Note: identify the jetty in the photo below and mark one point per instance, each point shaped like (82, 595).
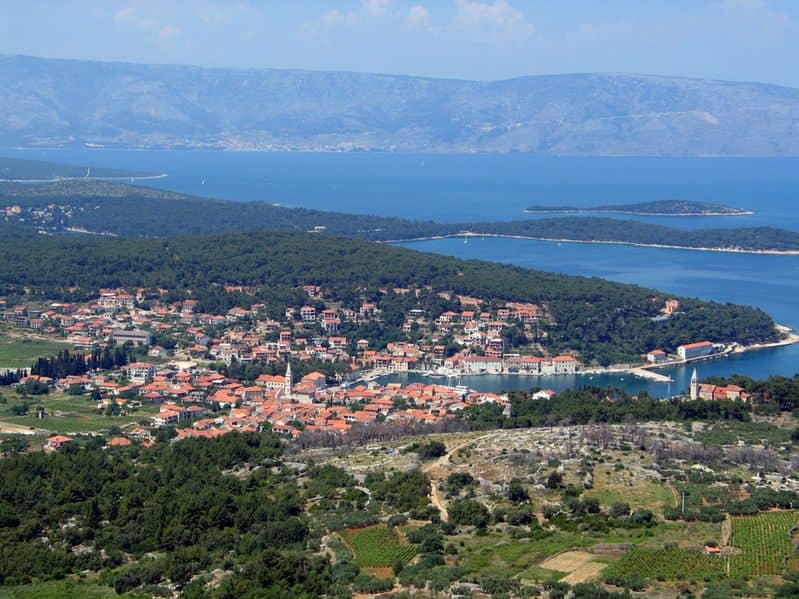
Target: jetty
(650, 375)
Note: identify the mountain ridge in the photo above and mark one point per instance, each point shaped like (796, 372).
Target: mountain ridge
(171, 106)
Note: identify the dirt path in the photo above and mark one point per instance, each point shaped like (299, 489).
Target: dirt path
(433, 470)
(726, 531)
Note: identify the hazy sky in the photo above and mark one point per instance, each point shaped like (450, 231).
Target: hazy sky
(477, 39)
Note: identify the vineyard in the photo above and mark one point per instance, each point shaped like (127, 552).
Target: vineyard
(764, 542)
(377, 546)
(671, 564)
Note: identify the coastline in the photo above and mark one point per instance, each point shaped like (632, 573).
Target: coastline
(470, 234)
(60, 179)
(791, 339)
(644, 371)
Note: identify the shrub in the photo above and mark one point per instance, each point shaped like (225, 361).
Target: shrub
(469, 512)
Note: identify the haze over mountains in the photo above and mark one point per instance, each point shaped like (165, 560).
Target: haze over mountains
(50, 102)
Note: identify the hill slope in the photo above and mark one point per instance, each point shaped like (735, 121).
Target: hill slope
(64, 102)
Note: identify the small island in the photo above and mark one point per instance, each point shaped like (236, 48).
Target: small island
(655, 208)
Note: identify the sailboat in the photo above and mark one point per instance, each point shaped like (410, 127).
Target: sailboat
(202, 182)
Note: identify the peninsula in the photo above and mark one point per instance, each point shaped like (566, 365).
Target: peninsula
(113, 208)
(23, 170)
(654, 208)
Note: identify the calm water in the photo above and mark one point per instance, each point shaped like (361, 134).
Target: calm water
(482, 187)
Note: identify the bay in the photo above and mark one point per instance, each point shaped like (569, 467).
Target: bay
(457, 188)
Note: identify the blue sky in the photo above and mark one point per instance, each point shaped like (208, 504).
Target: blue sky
(476, 39)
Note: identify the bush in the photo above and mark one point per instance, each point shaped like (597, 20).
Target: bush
(554, 480)
(398, 520)
(620, 510)
(469, 512)
(430, 450)
(498, 585)
(516, 492)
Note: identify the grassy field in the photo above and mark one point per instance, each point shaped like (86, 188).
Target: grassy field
(20, 352)
(66, 414)
(377, 546)
(612, 487)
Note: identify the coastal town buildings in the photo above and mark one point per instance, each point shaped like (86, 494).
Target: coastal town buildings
(691, 351)
(303, 367)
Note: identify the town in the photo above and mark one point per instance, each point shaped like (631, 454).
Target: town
(208, 374)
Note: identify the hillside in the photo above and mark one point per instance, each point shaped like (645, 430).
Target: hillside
(67, 102)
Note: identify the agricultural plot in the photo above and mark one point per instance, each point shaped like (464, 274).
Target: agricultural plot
(66, 414)
(764, 541)
(19, 352)
(670, 564)
(377, 546)
(579, 566)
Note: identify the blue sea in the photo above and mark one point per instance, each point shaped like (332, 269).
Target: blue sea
(456, 188)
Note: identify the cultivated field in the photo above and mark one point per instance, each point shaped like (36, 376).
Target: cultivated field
(764, 541)
(377, 546)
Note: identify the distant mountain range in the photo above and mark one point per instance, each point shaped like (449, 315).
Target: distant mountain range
(67, 102)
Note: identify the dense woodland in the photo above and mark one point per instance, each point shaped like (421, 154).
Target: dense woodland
(172, 498)
(604, 321)
(134, 211)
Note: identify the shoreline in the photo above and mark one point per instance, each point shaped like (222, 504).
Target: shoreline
(470, 234)
(644, 371)
(60, 179)
(633, 213)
